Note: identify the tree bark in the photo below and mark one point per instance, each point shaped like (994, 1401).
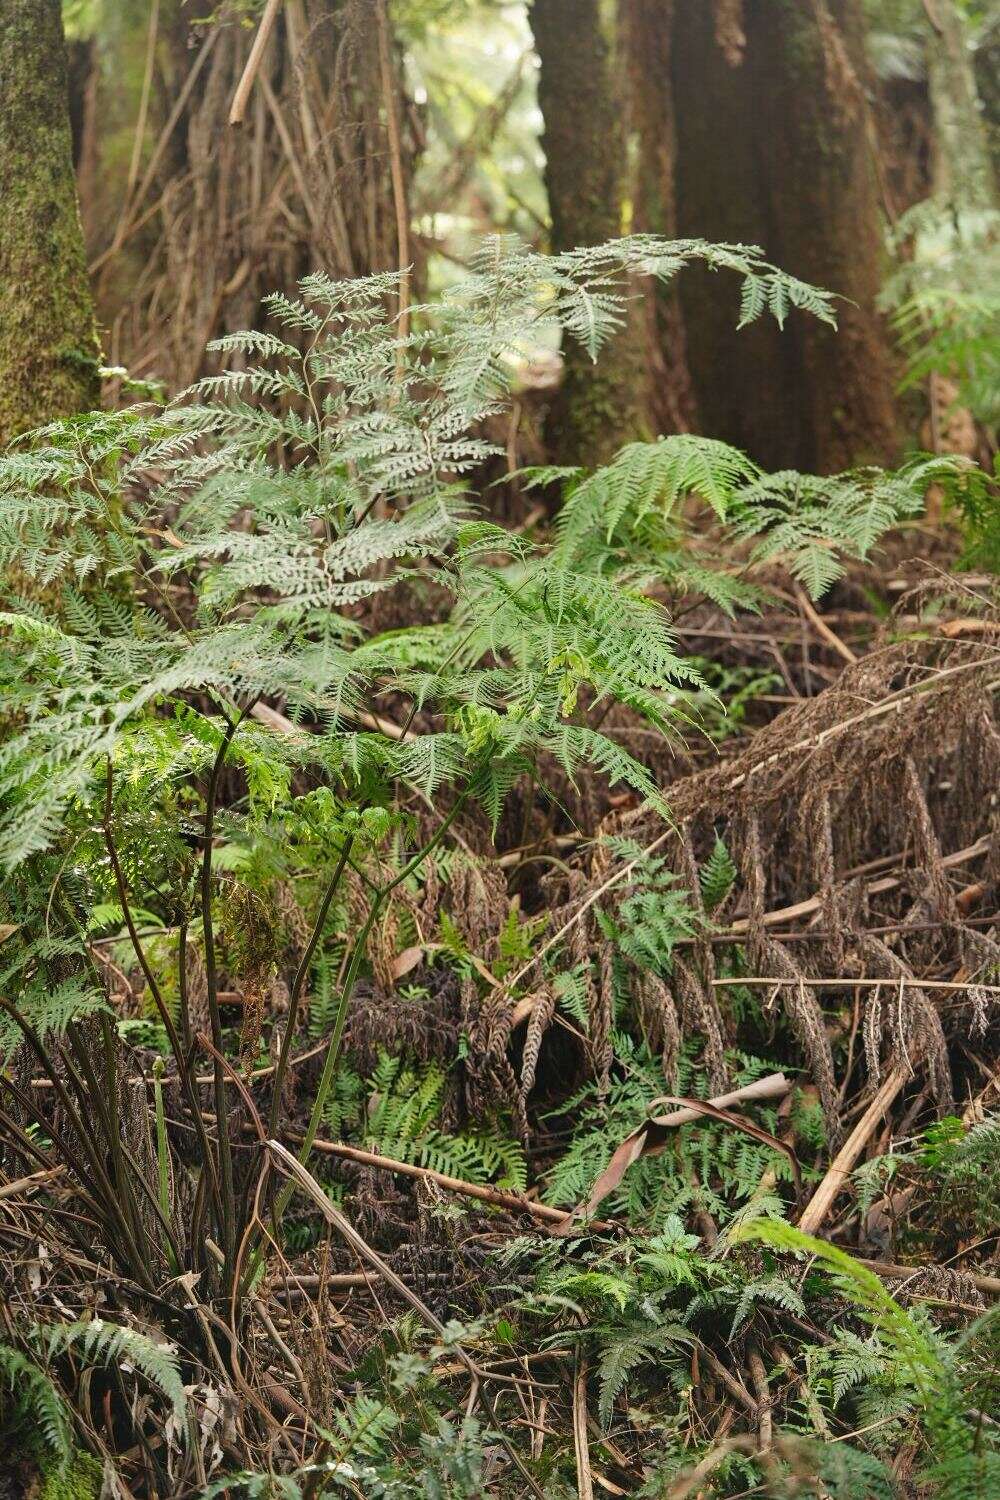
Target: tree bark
(48, 342)
(646, 27)
(963, 170)
(599, 406)
(775, 149)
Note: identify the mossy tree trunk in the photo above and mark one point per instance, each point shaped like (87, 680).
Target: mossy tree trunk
(48, 342)
(775, 148)
(963, 170)
(600, 406)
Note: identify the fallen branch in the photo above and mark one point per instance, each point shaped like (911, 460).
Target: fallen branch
(889, 1271)
(875, 888)
(845, 981)
(28, 1184)
(497, 1197)
(839, 1170)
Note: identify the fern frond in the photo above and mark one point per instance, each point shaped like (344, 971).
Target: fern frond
(104, 1343)
(29, 1395)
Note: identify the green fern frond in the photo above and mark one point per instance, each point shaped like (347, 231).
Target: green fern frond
(717, 876)
(98, 1342)
(29, 1396)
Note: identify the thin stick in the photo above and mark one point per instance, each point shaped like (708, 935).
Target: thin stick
(125, 223)
(839, 1170)
(846, 982)
(228, 1203)
(147, 82)
(497, 1197)
(759, 1377)
(822, 628)
(238, 108)
(584, 1475)
(396, 173)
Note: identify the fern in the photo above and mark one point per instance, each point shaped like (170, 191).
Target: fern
(362, 1428)
(921, 1355)
(766, 1289)
(717, 876)
(405, 1105)
(622, 1353)
(654, 916)
(570, 990)
(709, 1169)
(104, 1343)
(626, 521)
(30, 1398)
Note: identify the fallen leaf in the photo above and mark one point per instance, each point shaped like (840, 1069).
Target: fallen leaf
(405, 961)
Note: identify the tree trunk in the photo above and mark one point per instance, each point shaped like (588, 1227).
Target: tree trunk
(646, 27)
(987, 75)
(48, 341)
(774, 148)
(963, 170)
(599, 406)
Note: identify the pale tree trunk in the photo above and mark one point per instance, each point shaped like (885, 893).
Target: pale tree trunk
(48, 343)
(963, 171)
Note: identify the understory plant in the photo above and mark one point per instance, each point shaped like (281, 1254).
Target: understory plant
(214, 753)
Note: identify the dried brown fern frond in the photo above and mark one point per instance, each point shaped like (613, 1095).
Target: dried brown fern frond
(851, 808)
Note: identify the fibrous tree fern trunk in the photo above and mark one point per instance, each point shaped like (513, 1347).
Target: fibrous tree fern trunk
(602, 406)
(775, 148)
(48, 344)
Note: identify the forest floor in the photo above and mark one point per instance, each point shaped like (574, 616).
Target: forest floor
(826, 894)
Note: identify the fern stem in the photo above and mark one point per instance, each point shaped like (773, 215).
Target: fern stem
(211, 984)
(108, 1206)
(162, 1151)
(99, 1099)
(298, 983)
(329, 1073)
(140, 952)
(184, 1064)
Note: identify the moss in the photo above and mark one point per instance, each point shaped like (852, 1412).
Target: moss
(48, 342)
(80, 1481)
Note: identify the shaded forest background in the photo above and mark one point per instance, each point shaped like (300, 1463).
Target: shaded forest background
(373, 140)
